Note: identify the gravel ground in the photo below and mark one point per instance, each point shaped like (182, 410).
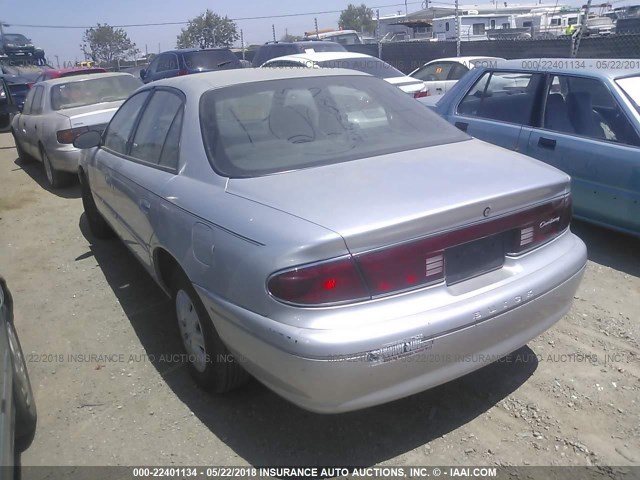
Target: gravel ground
(568, 398)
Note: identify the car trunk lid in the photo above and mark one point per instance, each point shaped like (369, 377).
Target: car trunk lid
(89, 115)
(394, 198)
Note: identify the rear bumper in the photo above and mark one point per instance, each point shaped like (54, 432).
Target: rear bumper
(287, 358)
(65, 158)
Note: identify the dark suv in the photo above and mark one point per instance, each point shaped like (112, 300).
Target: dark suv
(191, 60)
(16, 44)
(279, 49)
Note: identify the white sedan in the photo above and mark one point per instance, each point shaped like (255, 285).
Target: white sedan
(353, 61)
(441, 74)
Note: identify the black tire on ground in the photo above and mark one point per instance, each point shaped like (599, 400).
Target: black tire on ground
(22, 155)
(56, 178)
(221, 372)
(26, 416)
(97, 224)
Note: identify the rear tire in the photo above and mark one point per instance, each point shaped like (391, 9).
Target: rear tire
(97, 224)
(211, 365)
(56, 178)
(26, 417)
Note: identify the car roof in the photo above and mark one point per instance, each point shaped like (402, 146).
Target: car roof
(62, 71)
(322, 56)
(190, 50)
(79, 78)
(201, 82)
(593, 67)
(464, 59)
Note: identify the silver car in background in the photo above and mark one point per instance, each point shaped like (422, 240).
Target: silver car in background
(57, 111)
(352, 61)
(342, 263)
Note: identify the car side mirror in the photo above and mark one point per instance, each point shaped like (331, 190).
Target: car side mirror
(88, 139)
(143, 72)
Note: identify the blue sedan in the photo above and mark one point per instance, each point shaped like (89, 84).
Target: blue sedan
(579, 115)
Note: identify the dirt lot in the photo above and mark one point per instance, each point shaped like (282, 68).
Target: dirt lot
(568, 398)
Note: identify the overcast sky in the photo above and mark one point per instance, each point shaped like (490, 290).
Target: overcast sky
(65, 43)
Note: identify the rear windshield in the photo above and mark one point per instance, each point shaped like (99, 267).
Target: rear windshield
(631, 86)
(267, 127)
(211, 60)
(92, 91)
(15, 37)
(372, 66)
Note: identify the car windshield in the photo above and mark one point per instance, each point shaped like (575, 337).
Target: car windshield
(211, 60)
(262, 128)
(323, 46)
(15, 37)
(91, 91)
(371, 65)
(631, 86)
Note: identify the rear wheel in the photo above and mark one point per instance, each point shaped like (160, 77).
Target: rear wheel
(97, 224)
(210, 363)
(56, 178)
(26, 416)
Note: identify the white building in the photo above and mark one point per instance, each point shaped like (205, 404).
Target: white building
(472, 27)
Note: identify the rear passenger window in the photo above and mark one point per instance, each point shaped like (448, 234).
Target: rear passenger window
(586, 107)
(502, 96)
(162, 113)
(121, 125)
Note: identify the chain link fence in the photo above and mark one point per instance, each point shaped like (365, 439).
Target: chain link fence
(407, 56)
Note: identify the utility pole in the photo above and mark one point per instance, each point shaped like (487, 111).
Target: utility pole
(406, 10)
(378, 34)
(273, 30)
(242, 43)
(457, 31)
(575, 41)
(57, 61)
(317, 31)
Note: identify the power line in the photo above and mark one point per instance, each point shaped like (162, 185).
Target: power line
(265, 17)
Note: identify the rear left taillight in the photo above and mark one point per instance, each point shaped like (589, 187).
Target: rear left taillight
(183, 72)
(68, 136)
(334, 281)
(30, 84)
(421, 94)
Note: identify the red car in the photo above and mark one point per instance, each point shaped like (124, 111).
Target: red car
(67, 72)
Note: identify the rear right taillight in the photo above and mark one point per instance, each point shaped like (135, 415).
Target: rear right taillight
(421, 94)
(334, 281)
(540, 225)
(183, 72)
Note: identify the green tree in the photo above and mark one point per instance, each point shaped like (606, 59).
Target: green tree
(357, 18)
(106, 45)
(208, 30)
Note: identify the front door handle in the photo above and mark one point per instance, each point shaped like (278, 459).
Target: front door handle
(462, 126)
(145, 206)
(549, 143)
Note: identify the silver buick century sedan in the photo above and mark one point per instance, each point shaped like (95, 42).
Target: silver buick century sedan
(56, 111)
(326, 233)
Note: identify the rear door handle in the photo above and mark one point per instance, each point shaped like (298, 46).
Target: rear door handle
(145, 206)
(462, 126)
(549, 143)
